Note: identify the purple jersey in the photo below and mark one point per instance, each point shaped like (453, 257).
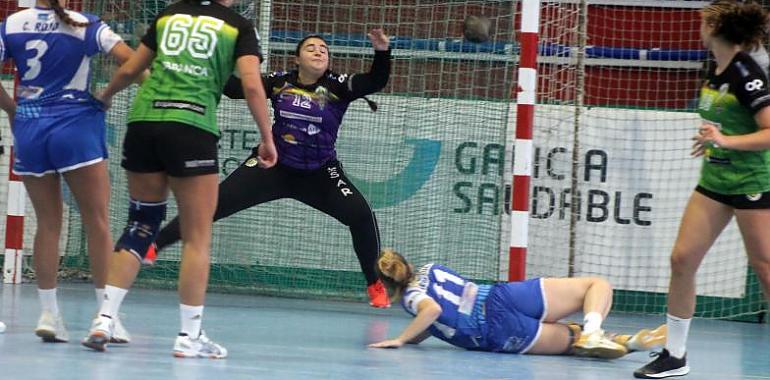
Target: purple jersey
(307, 118)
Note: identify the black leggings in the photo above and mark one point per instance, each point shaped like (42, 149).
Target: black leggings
(326, 189)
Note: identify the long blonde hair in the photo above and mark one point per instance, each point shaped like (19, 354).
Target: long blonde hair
(394, 271)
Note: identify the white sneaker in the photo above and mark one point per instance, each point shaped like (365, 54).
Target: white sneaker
(648, 340)
(51, 328)
(186, 347)
(597, 345)
(99, 334)
(119, 333)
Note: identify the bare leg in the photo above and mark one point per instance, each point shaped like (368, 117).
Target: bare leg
(703, 221)
(91, 188)
(45, 194)
(753, 225)
(197, 200)
(554, 339)
(145, 187)
(565, 296)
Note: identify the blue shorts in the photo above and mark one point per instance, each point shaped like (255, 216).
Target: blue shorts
(514, 312)
(56, 144)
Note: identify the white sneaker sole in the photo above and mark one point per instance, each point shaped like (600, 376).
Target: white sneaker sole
(49, 336)
(672, 373)
(195, 355)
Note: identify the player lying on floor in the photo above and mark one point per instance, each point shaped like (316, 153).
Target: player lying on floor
(514, 317)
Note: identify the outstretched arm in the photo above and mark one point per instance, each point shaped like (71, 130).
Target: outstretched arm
(428, 312)
(128, 73)
(419, 338)
(377, 77)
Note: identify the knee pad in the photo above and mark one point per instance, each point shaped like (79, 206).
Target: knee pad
(144, 219)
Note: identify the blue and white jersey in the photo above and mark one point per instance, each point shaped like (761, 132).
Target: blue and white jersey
(458, 323)
(52, 57)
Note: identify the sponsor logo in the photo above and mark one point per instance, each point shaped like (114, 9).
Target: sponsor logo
(342, 185)
(251, 162)
(199, 163)
(312, 129)
(754, 197)
(754, 85)
(179, 105)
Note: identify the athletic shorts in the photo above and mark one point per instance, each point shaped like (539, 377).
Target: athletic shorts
(178, 149)
(60, 143)
(739, 201)
(514, 312)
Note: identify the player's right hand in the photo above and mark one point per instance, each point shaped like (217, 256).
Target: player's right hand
(390, 343)
(106, 102)
(268, 155)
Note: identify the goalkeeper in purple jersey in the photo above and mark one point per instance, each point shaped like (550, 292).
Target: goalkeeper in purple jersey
(514, 317)
(309, 104)
(734, 141)
(59, 132)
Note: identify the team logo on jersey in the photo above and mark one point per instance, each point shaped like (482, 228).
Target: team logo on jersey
(754, 197)
(312, 129)
(754, 85)
(251, 162)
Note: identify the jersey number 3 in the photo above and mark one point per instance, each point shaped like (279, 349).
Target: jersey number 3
(198, 36)
(33, 64)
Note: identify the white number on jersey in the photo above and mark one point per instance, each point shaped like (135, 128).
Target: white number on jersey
(302, 101)
(200, 42)
(34, 65)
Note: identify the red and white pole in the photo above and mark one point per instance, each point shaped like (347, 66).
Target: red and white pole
(14, 220)
(14, 227)
(522, 160)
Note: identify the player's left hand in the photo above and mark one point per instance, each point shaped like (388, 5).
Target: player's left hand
(379, 39)
(708, 133)
(390, 343)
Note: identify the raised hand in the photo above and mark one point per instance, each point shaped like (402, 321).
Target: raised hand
(379, 39)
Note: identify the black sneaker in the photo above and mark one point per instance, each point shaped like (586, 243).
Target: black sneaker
(663, 366)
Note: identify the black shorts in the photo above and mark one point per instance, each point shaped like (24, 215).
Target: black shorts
(739, 201)
(179, 149)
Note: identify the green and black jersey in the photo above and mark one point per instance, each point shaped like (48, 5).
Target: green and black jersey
(730, 100)
(196, 46)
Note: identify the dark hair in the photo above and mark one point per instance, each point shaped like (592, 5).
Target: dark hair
(64, 16)
(302, 41)
(372, 104)
(739, 23)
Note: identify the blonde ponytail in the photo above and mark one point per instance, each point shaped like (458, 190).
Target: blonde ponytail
(394, 271)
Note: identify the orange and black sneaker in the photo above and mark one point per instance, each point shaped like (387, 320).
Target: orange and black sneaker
(151, 255)
(378, 296)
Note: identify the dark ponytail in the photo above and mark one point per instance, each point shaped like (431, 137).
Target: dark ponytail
(64, 16)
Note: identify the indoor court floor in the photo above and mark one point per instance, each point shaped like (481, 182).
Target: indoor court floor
(281, 338)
